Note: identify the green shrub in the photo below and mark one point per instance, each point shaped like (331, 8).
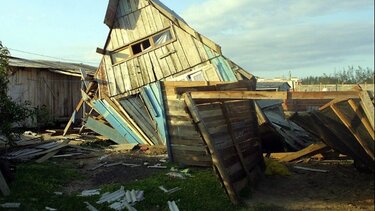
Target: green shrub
(11, 113)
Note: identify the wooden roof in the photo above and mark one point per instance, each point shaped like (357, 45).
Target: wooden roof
(170, 14)
(53, 66)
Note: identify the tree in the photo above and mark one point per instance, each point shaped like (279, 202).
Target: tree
(11, 113)
(350, 75)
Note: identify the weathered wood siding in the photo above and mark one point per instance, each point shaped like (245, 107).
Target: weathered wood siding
(136, 20)
(185, 140)
(59, 93)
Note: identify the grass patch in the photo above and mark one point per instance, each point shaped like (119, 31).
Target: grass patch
(35, 185)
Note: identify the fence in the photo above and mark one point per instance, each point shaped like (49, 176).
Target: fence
(332, 87)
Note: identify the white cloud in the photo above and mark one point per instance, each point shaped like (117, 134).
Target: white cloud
(274, 35)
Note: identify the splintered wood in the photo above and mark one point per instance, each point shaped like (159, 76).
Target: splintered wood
(346, 126)
(225, 133)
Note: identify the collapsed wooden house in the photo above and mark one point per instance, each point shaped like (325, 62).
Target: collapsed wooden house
(151, 60)
(47, 84)
(149, 43)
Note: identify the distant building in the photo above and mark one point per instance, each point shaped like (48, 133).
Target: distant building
(273, 86)
(293, 82)
(49, 84)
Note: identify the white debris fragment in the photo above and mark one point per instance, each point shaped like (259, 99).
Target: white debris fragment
(58, 193)
(130, 165)
(176, 175)
(311, 169)
(98, 166)
(157, 166)
(90, 207)
(10, 205)
(103, 157)
(113, 164)
(50, 209)
(111, 197)
(121, 205)
(172, 206)
(163, 189)
(130, 198)
(169, 191)
(90, 192)
(163, 161)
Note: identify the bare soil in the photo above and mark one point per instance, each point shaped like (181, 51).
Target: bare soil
(342, 188)
(114, 174)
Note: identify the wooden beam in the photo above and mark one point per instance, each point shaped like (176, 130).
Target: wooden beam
(78, 107)
(105, 130)
(264, 95)
(368, 107)
(237, 95)
(364, 120)
(355, 133)
(124, 115)
(47, 156)
(311, 150)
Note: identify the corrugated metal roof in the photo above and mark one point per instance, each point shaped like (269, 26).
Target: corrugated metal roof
(56, 66)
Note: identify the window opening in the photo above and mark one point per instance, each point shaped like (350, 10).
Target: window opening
(162, 37)
(120, 56)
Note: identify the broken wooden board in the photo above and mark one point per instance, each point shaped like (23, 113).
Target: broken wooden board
(265, 95)
(185, 142)
(90, 87)
(343, 125)
(105, 130)
(307, 152)
(352, 115)
(47, 156)
(229, 129)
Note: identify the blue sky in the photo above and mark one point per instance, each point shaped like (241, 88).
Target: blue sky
(269, 38)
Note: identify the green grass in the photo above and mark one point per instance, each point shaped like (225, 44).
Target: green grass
(35, 184)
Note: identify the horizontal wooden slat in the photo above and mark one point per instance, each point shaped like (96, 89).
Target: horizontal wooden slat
(264, 95)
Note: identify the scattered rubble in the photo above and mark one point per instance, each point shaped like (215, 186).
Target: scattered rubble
(11, 205)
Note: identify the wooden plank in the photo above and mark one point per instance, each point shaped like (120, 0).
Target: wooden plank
(105, 130)
(363, 118)
(368, 107)
(311, 150)
(62, 145)
(47, 156)
(238, 95)
(78, 107)
(214, 154)
(264, 95)
(131, 124)
(355, 133)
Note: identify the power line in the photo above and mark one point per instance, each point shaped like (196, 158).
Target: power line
(51, 57)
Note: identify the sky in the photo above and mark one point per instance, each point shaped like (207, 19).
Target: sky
(268, 38)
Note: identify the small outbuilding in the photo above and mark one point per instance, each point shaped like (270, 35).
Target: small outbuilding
(52, 87)
(273, 86)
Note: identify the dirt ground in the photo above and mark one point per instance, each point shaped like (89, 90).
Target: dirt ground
(342, 188)
(118, 173)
